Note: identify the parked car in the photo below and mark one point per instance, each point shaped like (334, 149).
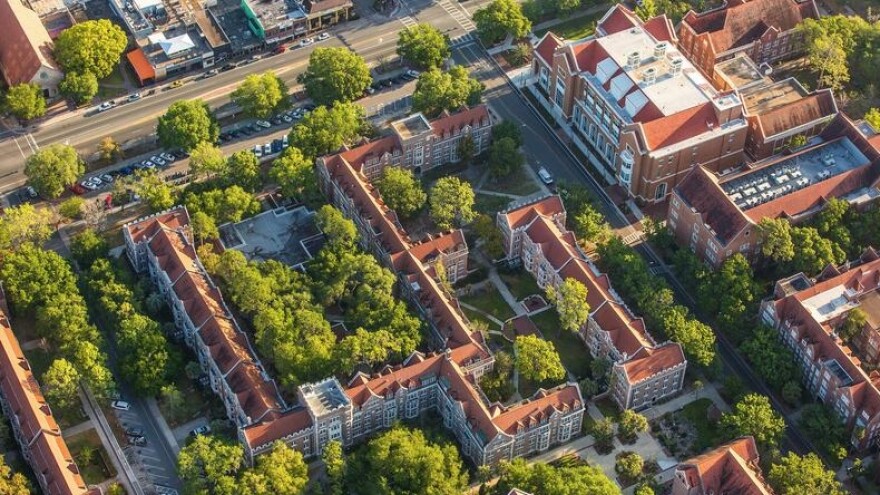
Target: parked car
(107, 105)
(120, 405)
(545, 176)
(127, 170)
(107, 178)
(31, 192)
(77, 189)
(276, 120)
(413, 73)
(201, 430)
(306, 42)
(168, 157)
(287, 118)
(258, 151)
(157, 160)
(227, 67)
(324, 36)
(263, 124)
(134, 97)
(277, 146)
(279, 49)
(267, 149)
(134, 432)
(96, 181)
(210, 73)
(285, 142)
(308, 107)
(176, 84)
(139, 441)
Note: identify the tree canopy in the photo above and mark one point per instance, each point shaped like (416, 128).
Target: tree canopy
(230, 204)
(26, 101)
(243, 169)
(401, 191)
(13, 482)
(795, 475)
(154, 191)
(754, 416)
(52, 168)
(295, 174)
(403, 461)
(60, 384)
(325, 130)
(437, 90)
(539, 477)
(451, 202)
(25, 223)
(80, 87)
(571, 303)
(500, 19)
(261, 95)
(207, 160)
(335, 75)
(537, 359)
(504, 157)
(423, 45)
(209, 464)
(93, 46)
(187, 123)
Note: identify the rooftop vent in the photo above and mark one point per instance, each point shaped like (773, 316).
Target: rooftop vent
(633, 60)
(676, 65)
(660, 49)
(649, 76)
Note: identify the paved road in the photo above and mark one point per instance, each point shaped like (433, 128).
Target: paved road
(374, 37)
(155, 462)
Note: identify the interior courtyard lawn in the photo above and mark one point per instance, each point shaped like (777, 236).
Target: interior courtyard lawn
(490, 301)
(707, 433)
(90, 456)
(574, 354)
(521, 284)
(489, 204)
(518, 183)
(574, 28)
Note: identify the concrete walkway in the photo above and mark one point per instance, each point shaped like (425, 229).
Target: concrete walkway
(508, 296)
(686, 397)
(77, 429)
(182, 432)
(478, 310)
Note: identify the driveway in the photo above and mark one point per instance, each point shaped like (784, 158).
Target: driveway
(155, 461)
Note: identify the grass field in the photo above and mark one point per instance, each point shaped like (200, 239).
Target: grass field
(518, 183)
(491, 302)
(574, 28)
(574, 354)
(707, 434)
(521, 284)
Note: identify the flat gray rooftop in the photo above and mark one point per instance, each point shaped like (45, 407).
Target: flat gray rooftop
(778, 177)
(287, 235)
(412, 126)
(324, 396)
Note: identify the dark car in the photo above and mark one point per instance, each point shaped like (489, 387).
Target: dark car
(310, 106)
(247, 131)
(127, 170)
(279, 49)
(277, 146)
(277, 120)
(227, 67)
(134, 432)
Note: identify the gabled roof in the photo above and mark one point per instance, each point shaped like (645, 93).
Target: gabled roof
(691, 122)
(702, 193)
(539, 408)
(731, 468)
(25, 45)
(452, 123)
(546, 47)
(618, 18)
(816, 106)
(522, 215)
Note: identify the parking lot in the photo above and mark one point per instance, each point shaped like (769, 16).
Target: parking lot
(147, 450)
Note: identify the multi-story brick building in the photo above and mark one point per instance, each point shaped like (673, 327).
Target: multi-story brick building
(717, 215)
(808, 313)
(26, 49)
(643, 371)
(33, 424)
(730, 468)
(762, 29)
(634, 105)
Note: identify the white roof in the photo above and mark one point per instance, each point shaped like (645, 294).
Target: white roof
(147, 4)
(605, 69)
(172, 46)
(620, 85)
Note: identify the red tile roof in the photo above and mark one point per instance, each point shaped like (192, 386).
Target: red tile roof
(702, 193)
(648, 361)
(25, 45)
(619, 18)
(450, 124)
(547, 46)
(540, 407)
(171, 220)
(802, 111)
(661, 28)
(521, 216)
(265, 432)
(665, 131)
(731, 468)
(447, 242)
(50, 458)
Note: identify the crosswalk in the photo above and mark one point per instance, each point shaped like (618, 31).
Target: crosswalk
(408, 21)
(462, 40)
(460, 17)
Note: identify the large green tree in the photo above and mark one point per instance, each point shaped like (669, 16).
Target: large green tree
(335, 75)
(754, 416)
(795, 475)
(401, 191)
(325, 130)
(261, 95)
(243, 169)
(278, 472)
(402, 461)
(777, 242)
(207, 160)
(295, 174)
(632, 423)
(334, 467)
(208, 464)
(546, 479)
(25, 223)
(26, 101)
(52, 168)
(814, 252)
(80, 87)
(92, 46)
(154, 191)
(736, 290)
(505, 157)
(12, 482)
(60, 383)
(187, 123)
(231, 204)
(451, 202)
(423, 45)
(537, 359)
(450, 90)
(500, 19)
(571, 303)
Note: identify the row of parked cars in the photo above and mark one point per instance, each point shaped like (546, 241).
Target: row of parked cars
(158, 161)
(281, 119)
(410, 75)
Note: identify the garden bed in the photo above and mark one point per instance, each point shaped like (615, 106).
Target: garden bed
(689, 431)
(90, 457)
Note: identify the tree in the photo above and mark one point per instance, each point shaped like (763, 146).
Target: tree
(25, 223)
(646, 10)
(772, 360)
(695, 337)
(487, 231)
(174, 401)
(80, 87)
(12, 483)
(207, 160)
(571, 303)
(507, 129)
(403, 461)
(537, 359)
(734, 283)
(546, 479)
(243, 169)
(52, 168)
(778, 244)
(853, 325)
(451, 201)
(91, 47)
(644, 489)
(295, 174)
(187, 123)
(631, 424)
(831, 223)
(873, 118)
(334, 467)
(231, 204)
(115, 489)
(279, 472)
(504, 157)
(340, 231)
(145, 354)
(803, 476)
(423, 45)
(154, 191)
(88, 247)
(71, 208)
(208, 462)
(401, 191)
(109, 149)
(590, 225)
(335, 75)
(26, 101)
(437, 91)
(828, 59)
(324, 130)
(467, 149)
(629, 465)
(754, 416)
(60, 383)
(261, 95)
(204, 227)
(814, 252)
(500, 19)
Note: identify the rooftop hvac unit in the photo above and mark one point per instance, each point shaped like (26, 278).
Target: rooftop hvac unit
(660, 49)
(676, 65)
(649, 76)
(633, 60)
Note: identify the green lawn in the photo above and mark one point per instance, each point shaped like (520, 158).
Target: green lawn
(489, 204)
(574, 354)
(93, 464)
(707, 433)
(608, 408)
(518, 183)
(574, 28)
(475, 317)
(521, 284)
(491, 302)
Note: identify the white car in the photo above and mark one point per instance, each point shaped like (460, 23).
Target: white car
(413, 73)
(545, 176)
(264, 124)
(285, 142)
(88, 185)
(32, 193)
(96, 181)
(324, 36)
(120, 405)
(267, 149)
(107, 178)
(201, 430)
(168, 157)
(258, 151)
(107, 105)
(134, 97)
(158, 161)
(306, 42)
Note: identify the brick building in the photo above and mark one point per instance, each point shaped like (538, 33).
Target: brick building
(730, 468)
(33, 424)
(643, 371)
(634, 104)
(764, 30)
(808, 314)
(717, 215)
(26, 49)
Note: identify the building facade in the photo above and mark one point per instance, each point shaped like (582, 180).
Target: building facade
(764, 30)
(635, 106)
(643, 372)
(26, 49)
(808, 314)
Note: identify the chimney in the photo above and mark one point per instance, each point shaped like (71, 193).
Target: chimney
(675, 66)
(633, 60)
(649, 76)
(660, 49)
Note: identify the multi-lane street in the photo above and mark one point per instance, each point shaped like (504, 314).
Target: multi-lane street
(374, 37)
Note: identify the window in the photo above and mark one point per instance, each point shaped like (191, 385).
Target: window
(661, 191)
(545, 78)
